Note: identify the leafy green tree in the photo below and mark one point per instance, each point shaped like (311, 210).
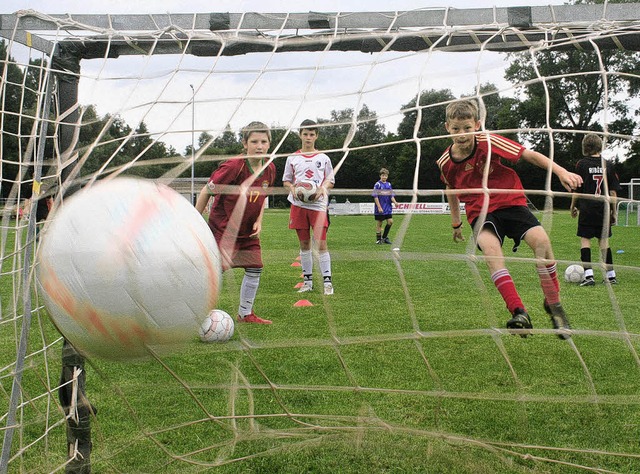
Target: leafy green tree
(14, 125)
(226, 144)
(498, 111)
(362, 139)
(627, 160)
(143, 148)
(229, 141)
(629, 168)
(290, 144)
(105, 139)
(430, 137)
(203, 139)
(577, 97)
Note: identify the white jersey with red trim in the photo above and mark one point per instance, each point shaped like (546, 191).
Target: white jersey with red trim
(315, 167)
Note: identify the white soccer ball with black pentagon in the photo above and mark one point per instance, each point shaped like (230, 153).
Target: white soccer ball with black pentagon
(218, 326)
(574, 273)
(306, 191)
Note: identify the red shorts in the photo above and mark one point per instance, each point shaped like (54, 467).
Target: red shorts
(302, 219)
(240, 253)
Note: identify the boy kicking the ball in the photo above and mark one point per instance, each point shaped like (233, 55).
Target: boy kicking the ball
(465, 165)
(240, 186)
(310, 218)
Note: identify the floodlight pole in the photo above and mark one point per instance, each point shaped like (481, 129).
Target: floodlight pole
(193, 146)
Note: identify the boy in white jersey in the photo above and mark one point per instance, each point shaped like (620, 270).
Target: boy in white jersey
(307, 217)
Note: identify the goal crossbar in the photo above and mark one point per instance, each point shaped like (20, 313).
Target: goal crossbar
(446, 29)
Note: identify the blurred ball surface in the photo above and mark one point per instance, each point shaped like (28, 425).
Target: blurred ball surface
(127, 264)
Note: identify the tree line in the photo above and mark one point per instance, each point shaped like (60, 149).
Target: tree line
(571, 99)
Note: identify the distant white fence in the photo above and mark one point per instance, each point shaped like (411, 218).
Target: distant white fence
(352, 208)
(628, 209)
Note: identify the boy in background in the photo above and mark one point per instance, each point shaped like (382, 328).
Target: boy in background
(598, 178)
(310, 218)
(382, 212)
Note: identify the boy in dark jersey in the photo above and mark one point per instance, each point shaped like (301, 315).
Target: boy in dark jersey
(596, 215)
(383, 208)
(240, 186)
(473, 163)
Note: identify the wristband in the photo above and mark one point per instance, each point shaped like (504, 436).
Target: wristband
(457, 226)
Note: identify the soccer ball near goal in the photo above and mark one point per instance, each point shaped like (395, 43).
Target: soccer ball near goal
(126, 265)
(574, 273)
(306, 191)
(218, 326)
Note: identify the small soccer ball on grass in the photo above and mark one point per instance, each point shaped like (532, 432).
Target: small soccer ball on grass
(306, 191)
(574, 273)
(218, 326)
(126, 265)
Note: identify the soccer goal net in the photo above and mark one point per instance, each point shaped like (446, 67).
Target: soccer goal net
(408, 366)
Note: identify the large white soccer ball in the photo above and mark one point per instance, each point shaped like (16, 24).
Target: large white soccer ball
(127, 264)
(218, 326)
(306, 191)
(574, 273)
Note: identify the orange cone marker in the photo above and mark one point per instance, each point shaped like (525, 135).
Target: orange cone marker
(303, 303)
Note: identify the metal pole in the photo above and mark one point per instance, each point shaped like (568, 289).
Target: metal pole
(16, 391)
(193, 147)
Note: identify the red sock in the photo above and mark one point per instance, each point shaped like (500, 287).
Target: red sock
(504, 283)
(549, 282)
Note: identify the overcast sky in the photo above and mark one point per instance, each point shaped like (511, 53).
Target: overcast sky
(236, 90)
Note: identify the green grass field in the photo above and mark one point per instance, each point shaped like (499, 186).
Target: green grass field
(406, 368)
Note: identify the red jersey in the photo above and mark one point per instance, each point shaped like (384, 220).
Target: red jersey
(235, 172)
(468, 174)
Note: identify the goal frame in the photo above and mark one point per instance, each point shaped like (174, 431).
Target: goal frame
(507, 29)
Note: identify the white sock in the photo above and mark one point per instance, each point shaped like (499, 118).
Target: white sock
(248, 290)
(325, 264)
(306, 260)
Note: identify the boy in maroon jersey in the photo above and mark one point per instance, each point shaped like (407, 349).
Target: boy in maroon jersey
(473, 163)
(240, 186)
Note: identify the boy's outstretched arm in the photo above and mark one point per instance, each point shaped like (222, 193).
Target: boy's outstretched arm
(569, 180)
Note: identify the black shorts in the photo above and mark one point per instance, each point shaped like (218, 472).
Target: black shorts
(382, 217)
(591, 231)
(591, 222)
(512, 222)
